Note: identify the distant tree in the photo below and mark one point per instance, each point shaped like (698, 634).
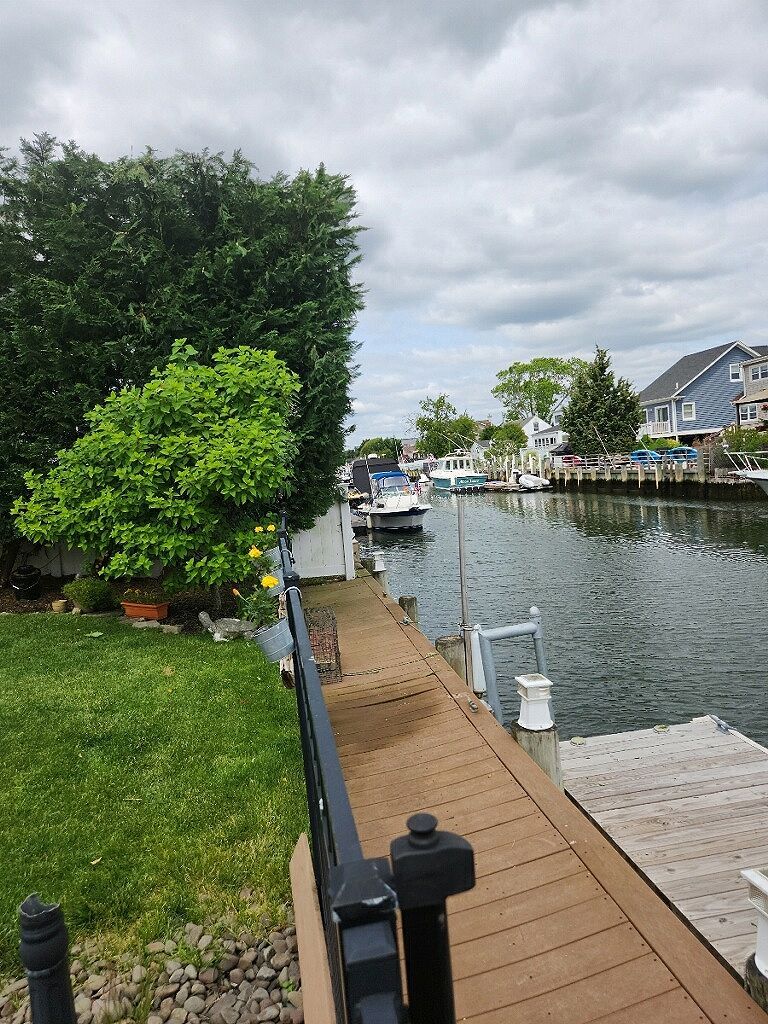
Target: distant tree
(104, 264)
(441, 428)
(600, 401)
(180, 470)
(511, 434)
(486, 434)
(535, 388)
(386, 446)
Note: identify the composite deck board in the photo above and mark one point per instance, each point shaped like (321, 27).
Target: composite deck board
(689, 806)
(558, 926)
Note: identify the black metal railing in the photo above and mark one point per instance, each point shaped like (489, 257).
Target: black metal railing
(359, 896)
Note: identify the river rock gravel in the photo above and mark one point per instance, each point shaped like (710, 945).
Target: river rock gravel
(194, 978)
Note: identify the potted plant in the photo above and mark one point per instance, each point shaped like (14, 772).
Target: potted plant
(145, 603)
(273, 554)
(25, 582)
(271, 633)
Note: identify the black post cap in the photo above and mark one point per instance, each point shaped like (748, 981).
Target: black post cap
(428, 865)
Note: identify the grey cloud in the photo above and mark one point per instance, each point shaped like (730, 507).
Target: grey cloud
(536, 176)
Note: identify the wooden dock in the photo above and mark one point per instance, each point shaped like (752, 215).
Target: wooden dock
(559, 926)
(689, 806)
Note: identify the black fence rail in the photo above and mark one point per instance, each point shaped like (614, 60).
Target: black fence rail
(359, 896)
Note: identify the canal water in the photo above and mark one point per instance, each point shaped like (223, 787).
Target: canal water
(655, 611)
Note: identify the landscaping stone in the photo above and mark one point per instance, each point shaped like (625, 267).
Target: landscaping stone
(108, 991)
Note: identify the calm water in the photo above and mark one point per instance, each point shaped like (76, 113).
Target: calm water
(654, 611)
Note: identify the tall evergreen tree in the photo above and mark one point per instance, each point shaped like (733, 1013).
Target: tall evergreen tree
(601, 403)
(104, 264)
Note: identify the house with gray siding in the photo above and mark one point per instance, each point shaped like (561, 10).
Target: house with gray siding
(696, 395)
(752, 405)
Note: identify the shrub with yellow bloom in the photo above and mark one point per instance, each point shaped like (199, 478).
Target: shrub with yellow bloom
(258, 529)
(271, 528)
(269, 581)
(255, 552)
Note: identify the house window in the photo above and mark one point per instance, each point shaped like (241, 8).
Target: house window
(735, 371)
(645, 416)
(536, 426)
(689, 410)
(758, 372)
(662, 414)
(747, 413)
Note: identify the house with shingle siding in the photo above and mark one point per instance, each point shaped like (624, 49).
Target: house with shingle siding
(752, 405)
(696, 395)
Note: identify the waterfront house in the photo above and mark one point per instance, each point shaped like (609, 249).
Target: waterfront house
(695, 397)
(752, 404)
(541, 434)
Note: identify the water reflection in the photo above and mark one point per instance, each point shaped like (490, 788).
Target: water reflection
(655, 610)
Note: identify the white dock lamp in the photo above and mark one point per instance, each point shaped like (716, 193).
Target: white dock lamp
(535, 691)
(758, 897)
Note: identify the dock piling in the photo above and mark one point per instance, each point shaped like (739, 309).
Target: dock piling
(756, 969)
(535, 730)
(452, 649)
(410, 606)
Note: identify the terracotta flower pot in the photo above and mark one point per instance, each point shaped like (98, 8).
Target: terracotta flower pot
(138, 610)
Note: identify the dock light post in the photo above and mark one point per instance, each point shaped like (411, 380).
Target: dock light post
(535, 730)
(428, 866)
(756, 971)
(43, 948)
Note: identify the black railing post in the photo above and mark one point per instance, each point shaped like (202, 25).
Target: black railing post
(428, 866)
(43, 948)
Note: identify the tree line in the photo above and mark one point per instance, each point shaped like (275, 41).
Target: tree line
(597, 409)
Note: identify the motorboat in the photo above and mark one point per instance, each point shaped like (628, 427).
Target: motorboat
(530, 481)
(393, 503)
(752, 466)
(457, 472)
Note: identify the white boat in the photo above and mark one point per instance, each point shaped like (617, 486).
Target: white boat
(752, 466)
(457, 471)
(531, 482)
(393, 502)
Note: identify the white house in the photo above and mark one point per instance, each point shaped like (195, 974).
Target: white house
(541, 434)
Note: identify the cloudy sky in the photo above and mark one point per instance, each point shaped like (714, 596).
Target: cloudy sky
(535, 176)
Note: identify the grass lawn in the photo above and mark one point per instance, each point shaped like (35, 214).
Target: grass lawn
(144, 779)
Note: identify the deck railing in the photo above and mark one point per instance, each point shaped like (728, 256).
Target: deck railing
(359, 896)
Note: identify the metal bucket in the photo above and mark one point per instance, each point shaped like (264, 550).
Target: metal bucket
(276, 641)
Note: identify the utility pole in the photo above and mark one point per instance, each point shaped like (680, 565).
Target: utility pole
(465, 623)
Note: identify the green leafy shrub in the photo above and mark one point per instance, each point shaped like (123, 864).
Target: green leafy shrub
(91, 594)
(180, 471)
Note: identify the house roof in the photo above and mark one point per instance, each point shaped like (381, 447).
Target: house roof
(756, 396)
(690, 366)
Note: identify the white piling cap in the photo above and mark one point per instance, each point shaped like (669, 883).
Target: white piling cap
(758, 897)
(535, 691)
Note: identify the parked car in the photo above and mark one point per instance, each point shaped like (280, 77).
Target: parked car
(644, 456)
(572, 460)
(683, 454)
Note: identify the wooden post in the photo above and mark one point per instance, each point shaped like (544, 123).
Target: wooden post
(452, 649)
(534, 730)
(756, 983)
(410, 606)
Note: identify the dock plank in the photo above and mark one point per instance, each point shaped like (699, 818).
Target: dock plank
(558, 926)
(689, 806)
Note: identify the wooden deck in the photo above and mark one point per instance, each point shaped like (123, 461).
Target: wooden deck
(689, 806)
(559, 926)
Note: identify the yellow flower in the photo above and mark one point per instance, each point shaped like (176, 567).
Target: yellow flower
(269, 581)
(255, 552)
(258, 529)
(270, 528)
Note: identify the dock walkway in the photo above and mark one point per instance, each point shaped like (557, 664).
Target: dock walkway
(689, 806)
(559, 926)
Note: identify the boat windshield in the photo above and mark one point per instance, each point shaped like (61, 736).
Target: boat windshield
(391, 483)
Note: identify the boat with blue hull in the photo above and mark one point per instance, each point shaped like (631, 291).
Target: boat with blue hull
(457, 472)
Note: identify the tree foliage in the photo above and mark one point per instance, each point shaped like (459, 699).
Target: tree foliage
(179, 470)
(441, 428)
(104, 264)
(600, 401)
(386, 446)
(535, 388)
(510, 434)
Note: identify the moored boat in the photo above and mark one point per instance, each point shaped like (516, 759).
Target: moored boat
(752, 466)
(393, 503)
(457, 471)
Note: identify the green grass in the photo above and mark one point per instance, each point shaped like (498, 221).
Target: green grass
(144, 779)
